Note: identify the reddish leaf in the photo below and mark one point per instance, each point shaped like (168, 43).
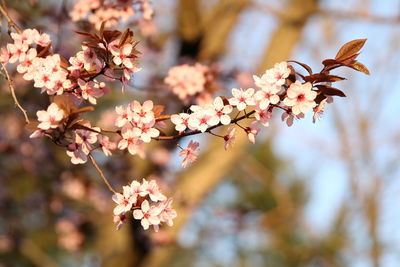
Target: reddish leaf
(305, 66)
(158, 109)
(322, 77)
(359, 67)
(328, 90)
(330, 62)
(349, 49)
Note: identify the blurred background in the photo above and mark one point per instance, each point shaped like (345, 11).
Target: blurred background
(323, 194)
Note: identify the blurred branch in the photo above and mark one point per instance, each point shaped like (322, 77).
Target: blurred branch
(218, 24)
(359, 16)
(335, 14)
(9, 81)
(289, 31)
(30, 250)
(11, 23)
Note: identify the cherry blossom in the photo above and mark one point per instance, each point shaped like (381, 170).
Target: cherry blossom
(27, 63)
(91, 90)
(146, 131)
(221, 112)
(106, 144)
(252, 131)
(75, 151)
(124, 116)
(230, 137)
(189, 154)
(186, 80)
(142, 113)
(17, 51)
(167, 213)
(274, 76)
(300, 97)
(147, 214)
(151, 189)
(241, 99)
(181, 121)
(51, 118)
(124, 201)
(132, 142)
(267, 95)
(122, 55)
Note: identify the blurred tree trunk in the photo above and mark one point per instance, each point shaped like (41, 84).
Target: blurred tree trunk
(211, 168)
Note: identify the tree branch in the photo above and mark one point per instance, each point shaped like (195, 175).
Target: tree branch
(102, 174)
(7, 76)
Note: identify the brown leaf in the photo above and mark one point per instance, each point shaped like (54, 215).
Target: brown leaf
(305, 66)
(66, 103)
(110, 36)
(330, 62)
(349, 49)
(101, 31)
(359, 67)
(328, 90)
(158, 109)
(323, 77)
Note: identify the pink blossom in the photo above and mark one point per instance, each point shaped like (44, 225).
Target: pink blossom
(17, 51)
(90, 90)
(221, 113)
(181, 121)
(27, 63)
(142, 113)
(252, 131)
(124, 201)
(189, 154)
(75, 151)
(5, 55)
(241, 99)
(151, 188)
(167, 213)
(119, 220)
(122, 55)
(124, 116)
(263, 116)
(106, 145)
(86, 138)
(132, 142)
(43, 39)
(288, 117)
(146, 131)
(186, 80)
(51, 118)
(267, 95)
(147, 214)
(300, 97)
(274, 76)
(230, 137)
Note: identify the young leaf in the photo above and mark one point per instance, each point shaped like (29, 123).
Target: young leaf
(349, 49)
(328, 90)
(359, 67)
(305, 66)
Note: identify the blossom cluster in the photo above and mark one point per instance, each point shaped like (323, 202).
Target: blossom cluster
(110, 11)
(108, 56)
(147, 204)
(138, 125)
(191, 82)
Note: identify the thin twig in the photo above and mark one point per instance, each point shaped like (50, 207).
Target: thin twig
(13, 93)
(102, 174)
(11, 23)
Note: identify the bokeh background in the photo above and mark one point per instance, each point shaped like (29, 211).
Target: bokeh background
(323, 194)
